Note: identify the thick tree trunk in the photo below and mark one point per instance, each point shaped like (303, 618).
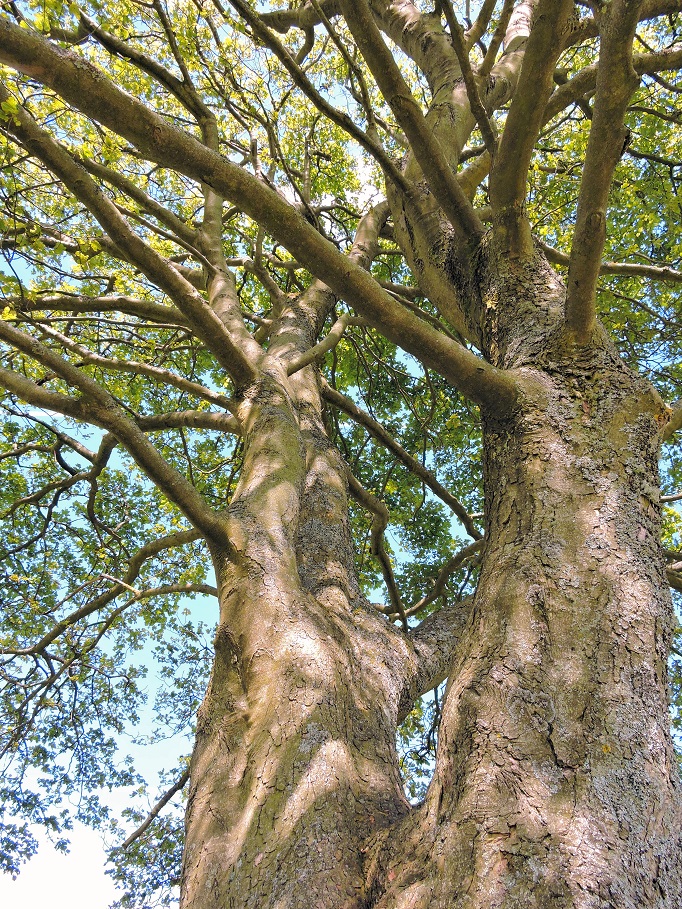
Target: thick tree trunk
(555, 783)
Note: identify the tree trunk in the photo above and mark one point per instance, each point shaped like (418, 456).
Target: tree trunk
(555, 783)
(295, 762)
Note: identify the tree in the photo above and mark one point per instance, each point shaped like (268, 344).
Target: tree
(277, 280)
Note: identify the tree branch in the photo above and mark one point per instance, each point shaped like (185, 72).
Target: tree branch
(425, 146)
(141, 556)
(509, 172)
(82, 85)
(192, 419)
(674, 424)
(377, 548)
(206, 324)
(185, 233)
(304, 17)
(325, 345)
(434, 641)
(458, 559)
(82, 303)
(380, 434)
(156, 810)
(477, 109)
(626, 269)
(616, 81)
(387, 165)
(136, 368)
(98, 407)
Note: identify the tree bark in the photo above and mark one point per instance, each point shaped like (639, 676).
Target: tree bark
(555, 783)
(295, 764)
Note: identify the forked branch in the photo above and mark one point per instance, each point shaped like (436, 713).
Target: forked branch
(426, 147)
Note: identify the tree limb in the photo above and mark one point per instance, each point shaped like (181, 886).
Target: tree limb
(674, 424)
(325, 345)
(84, 86)
(192, 419)
(425, 146)
(509, 172)
(75, 178)
(379, 524)
(387, 165)
(477, 109)
(141, 556)
(434, 642)
(185, 233)
(616, 81)
(626, 269)
(82, 303)
(156, 810)
(97, 406)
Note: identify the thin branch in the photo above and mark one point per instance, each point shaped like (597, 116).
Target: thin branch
(181, 90)
(380, 521)
(416, 467)
(458, 559)
(477, 109)
(158, 373)
(143, 554)
(156, 810)
(260, 30)
(134, 192)
(626, 269)
(496, 41)
(325, 345)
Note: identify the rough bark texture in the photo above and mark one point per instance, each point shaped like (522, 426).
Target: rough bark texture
(555, 782)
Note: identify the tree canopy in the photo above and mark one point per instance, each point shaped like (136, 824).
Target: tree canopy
(194, 201)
